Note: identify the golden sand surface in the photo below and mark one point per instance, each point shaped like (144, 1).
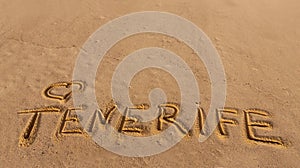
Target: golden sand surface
(258, 42)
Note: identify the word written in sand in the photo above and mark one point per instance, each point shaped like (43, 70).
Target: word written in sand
(68, 123)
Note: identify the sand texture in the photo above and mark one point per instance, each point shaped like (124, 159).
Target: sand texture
(258, 43)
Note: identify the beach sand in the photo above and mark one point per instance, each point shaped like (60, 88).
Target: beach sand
(258, 43)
